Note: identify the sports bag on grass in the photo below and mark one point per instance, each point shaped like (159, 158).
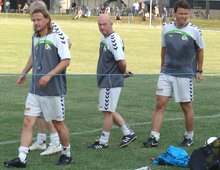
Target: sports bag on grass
(206, 158)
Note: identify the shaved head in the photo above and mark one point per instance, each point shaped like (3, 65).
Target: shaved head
(37, 4)
(106, 17)
(105, 24)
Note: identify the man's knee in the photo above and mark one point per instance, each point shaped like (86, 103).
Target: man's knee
(186, 107)
(29, 121)
(58, 124)
(160, 104)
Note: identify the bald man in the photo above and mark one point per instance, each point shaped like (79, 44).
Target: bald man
(40, 144)
(111, 63)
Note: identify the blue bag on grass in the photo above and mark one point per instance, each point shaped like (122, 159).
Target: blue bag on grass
(174, 156)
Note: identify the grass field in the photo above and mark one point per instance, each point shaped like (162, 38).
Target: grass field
(136, 104)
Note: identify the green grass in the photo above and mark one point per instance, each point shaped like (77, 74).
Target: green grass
(136, 104)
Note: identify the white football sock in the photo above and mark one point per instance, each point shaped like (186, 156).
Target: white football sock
(189, 135)
(54, 139)
(155, 134)
(66, 150)
(41, 138)
(104, 137)
(126, 130)
(23, 151)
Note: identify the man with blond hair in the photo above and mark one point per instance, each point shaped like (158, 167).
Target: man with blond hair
(40, 144)
(50, 58)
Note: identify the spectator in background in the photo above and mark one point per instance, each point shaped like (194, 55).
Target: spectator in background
(25, 8)
(164, 15)
(153, 7)
(87, 14)
(142, 8)
(153, 16)
(102, 10)
(147, 15)
(1, 3)
(7, 6)
(74, 7)
(156, 11)
(29, 4)
(148, 7)
(111, 11)
(79, 14)
(107, 11)
(118, 16)
(136, 7)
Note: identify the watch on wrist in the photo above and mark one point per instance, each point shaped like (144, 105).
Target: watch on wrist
(199, 71)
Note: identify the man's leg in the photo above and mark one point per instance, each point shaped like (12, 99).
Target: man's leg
(26, 136)
(107, 124)
(40, 144)
(157, 121)
(188, 114)
(129, 135)
(54, 146)
(54, 137)
(63, 132)
(189, 124)
(107, 121)
(26, 139)
(27, 131)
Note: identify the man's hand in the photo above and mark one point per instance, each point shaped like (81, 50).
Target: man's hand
(128, 74)
(21, 80)
(44, 80)
(198, 77)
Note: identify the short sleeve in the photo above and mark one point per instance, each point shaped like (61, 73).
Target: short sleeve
(117, 47)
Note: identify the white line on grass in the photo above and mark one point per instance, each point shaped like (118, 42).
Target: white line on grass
(113, 127)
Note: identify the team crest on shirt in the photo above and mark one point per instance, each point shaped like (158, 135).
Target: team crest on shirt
(184, 38)
(47, 47)
(104, 48)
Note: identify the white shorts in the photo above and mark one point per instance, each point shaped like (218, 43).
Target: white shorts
(108, 99)
(181, 89)
(48, 107)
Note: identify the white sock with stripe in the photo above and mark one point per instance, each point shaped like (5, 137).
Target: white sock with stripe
(104, 137)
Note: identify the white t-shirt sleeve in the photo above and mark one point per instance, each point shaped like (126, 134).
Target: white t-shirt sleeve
(117, 48)
(58, 30)
(199, 40)
(63, 49)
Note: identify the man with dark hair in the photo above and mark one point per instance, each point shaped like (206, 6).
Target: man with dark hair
(118, 16)
(113, 65)
(29, 4)
(51, 57)
(74, 6)
(181, 60)
(164, 15)
(136, 7)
